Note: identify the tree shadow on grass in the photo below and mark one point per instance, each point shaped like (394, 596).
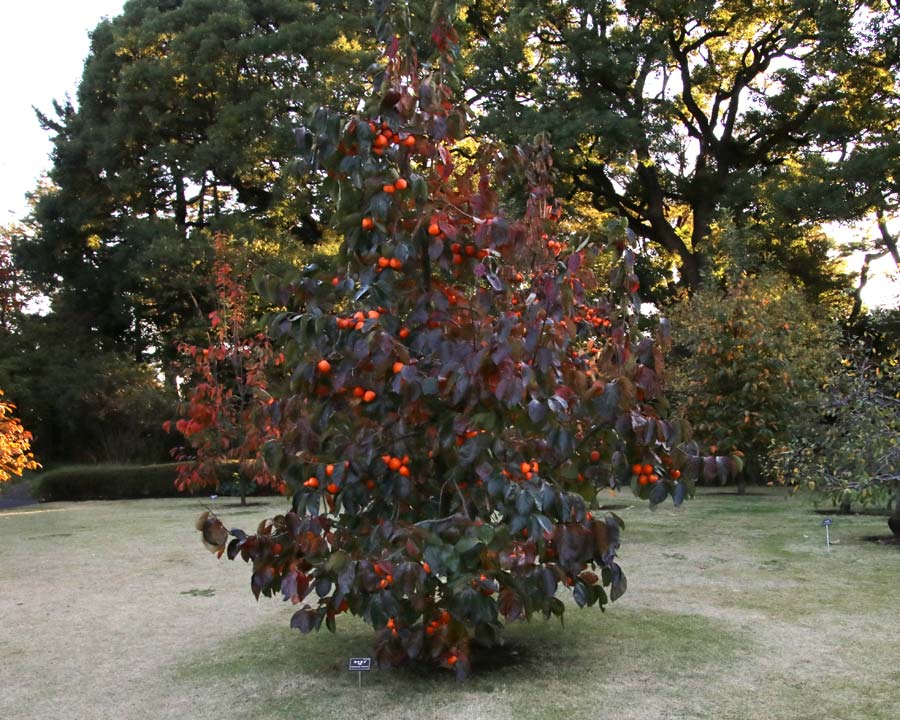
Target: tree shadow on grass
(273, 667)
(883, 540)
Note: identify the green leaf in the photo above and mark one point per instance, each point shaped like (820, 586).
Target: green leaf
(467, 544)
(485, 534)
(337, 561)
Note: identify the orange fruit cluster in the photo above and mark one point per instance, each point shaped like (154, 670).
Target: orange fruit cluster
(386, 137)
(435, 625)
(365, 395)
(392, 263)
(386, 577)
(526, 469)
(594, 318)
(644, 473)
(399, 465)
(468, 250)
(398, 185)
(467, 435)
(357, 320)
(556, 246)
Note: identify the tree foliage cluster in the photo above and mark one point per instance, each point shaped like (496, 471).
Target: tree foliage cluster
(776, 114)
(183, 121)
(754, 360)
(228, 380)
(15, 444)
(852, 452)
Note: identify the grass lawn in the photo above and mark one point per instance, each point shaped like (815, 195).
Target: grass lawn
(734, 609)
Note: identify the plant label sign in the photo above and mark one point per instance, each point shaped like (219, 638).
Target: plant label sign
(827, 523)
(360, 664)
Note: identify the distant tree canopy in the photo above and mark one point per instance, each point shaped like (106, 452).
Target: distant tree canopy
(670, 113)
(773, 118)
(183, 122)
(725, 133)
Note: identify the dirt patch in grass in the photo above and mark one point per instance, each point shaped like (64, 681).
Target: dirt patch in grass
(735, 610)
(884, 540)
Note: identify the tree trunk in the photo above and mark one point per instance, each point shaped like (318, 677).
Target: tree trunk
(663, 231)
(180, 207)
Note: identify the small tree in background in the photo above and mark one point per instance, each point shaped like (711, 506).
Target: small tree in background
(852, 452)
(461, 393)
(15, 444)
(223, 416)
(756, 359)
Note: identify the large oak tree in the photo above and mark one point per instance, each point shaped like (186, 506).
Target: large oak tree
(671, 113)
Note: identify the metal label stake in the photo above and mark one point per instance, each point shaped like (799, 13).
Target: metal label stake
(360, 665)
(827, 523)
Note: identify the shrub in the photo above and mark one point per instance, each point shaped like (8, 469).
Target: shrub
(754, 358)
(852, 452)
(106, 482)
(121, 482)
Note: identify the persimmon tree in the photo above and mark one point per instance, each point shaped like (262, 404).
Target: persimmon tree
(15, 444)
(223, 415)
(461, 391)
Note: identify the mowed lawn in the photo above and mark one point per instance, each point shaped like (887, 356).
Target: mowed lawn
(734, 609)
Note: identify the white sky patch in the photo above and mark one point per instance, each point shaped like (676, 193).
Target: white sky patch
(883, 287)
(42, 54)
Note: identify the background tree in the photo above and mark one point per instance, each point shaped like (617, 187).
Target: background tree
(459, 393)
(752, 364)
(228, 384)
(83, 403)
(673, 113)
(15, 444)
(852, 451)
(183, 121)
(15, 293)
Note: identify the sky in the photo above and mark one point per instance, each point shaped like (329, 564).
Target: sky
(42, 56)
(43, 53)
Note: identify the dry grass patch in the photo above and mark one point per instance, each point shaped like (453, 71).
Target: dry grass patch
(734, 610)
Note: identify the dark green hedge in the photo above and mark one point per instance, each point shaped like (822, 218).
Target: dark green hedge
(119, 482)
